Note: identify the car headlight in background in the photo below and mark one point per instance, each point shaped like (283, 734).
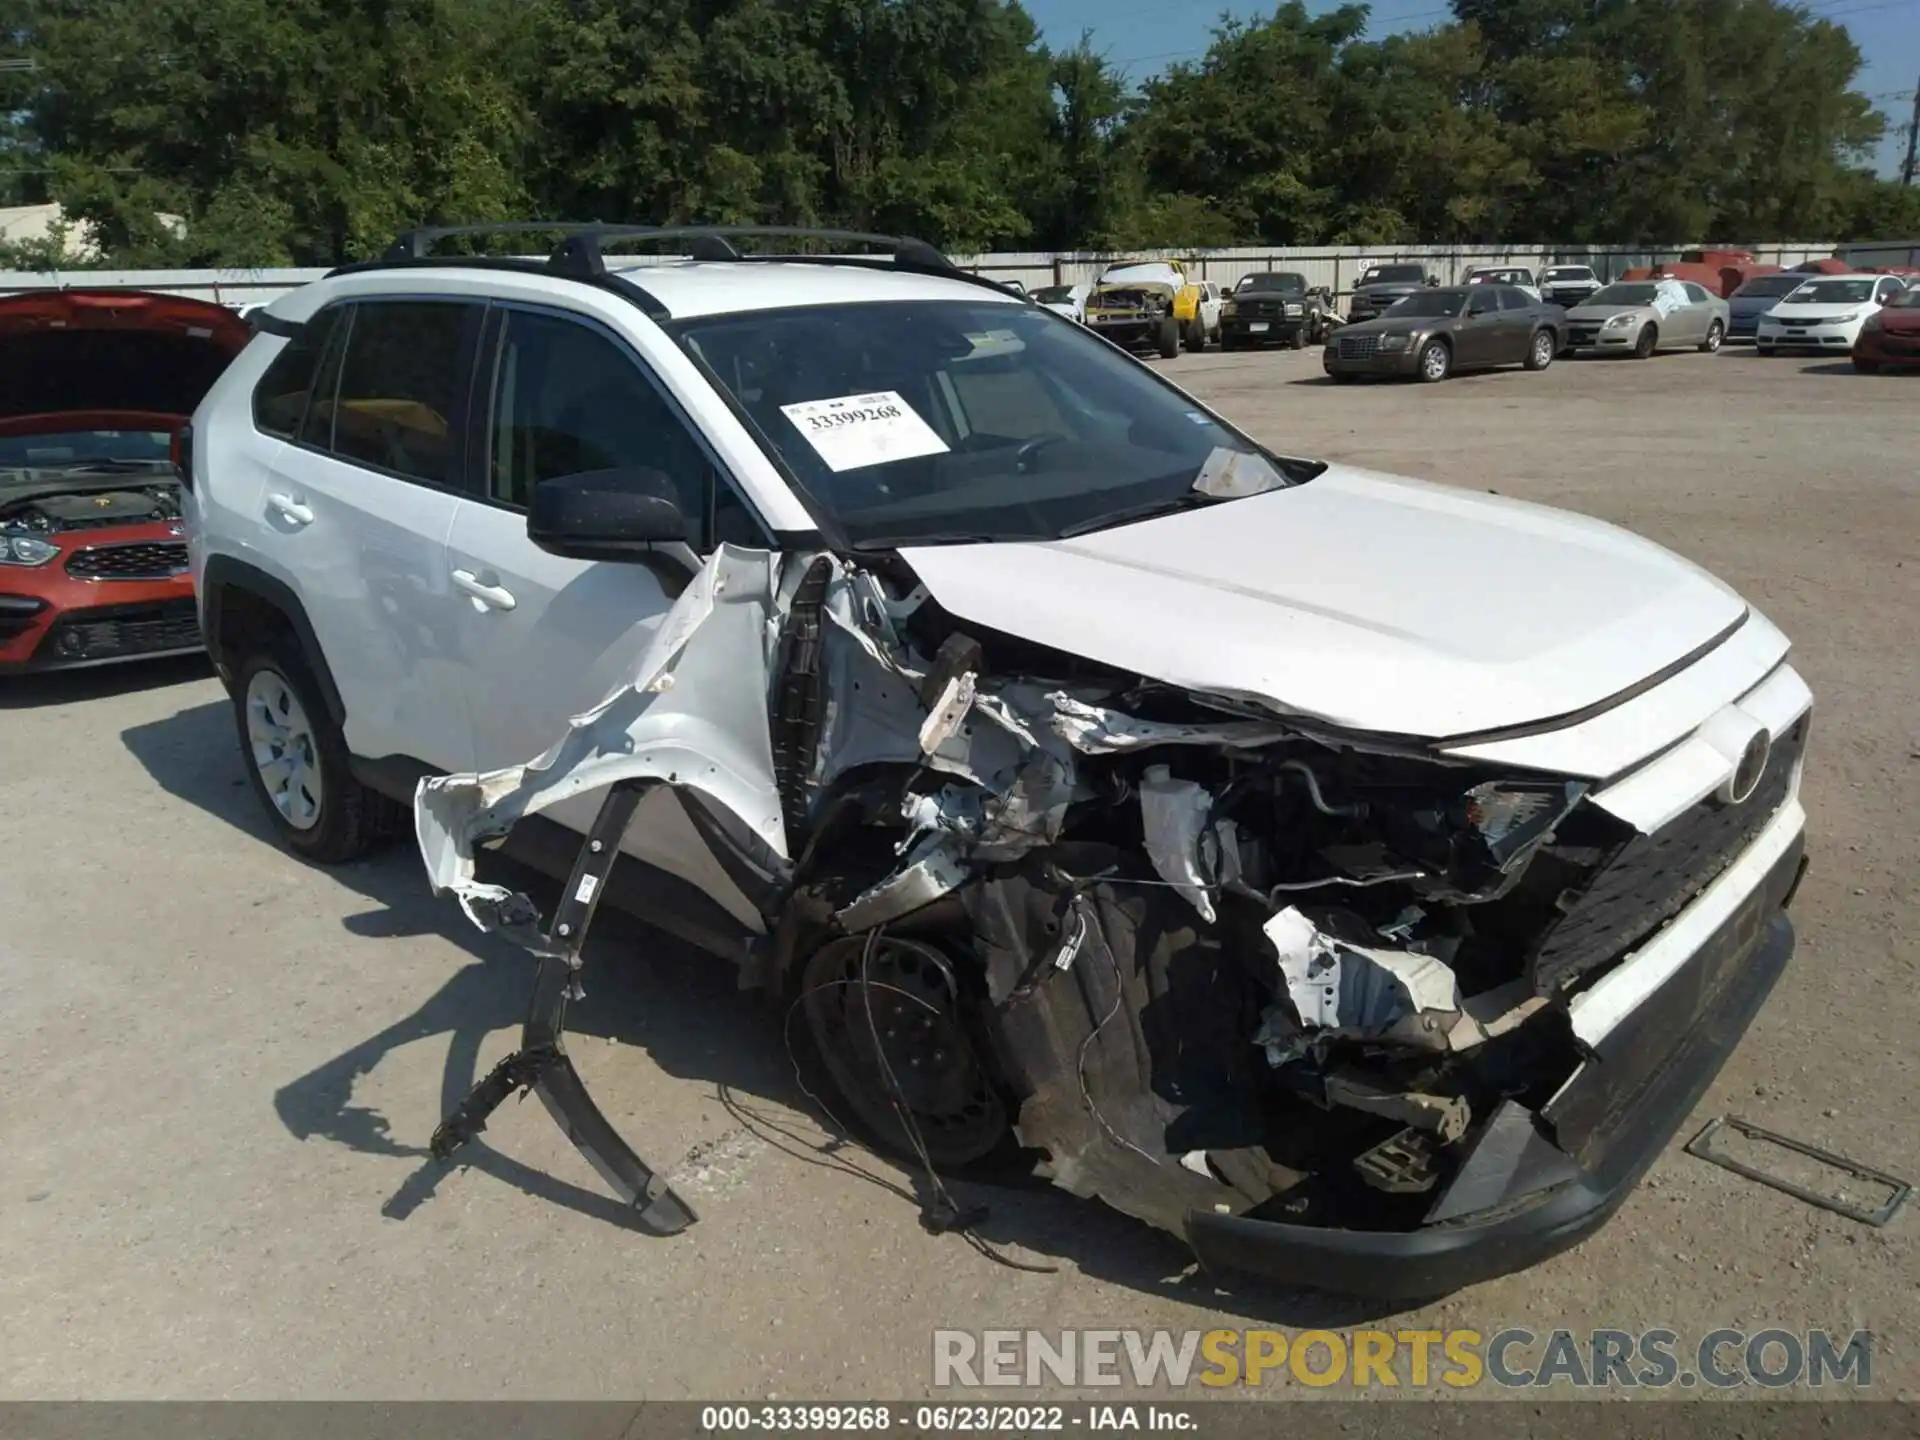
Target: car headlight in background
(25, 550)
(1394, 342)
(1846, 319)
(1615, 322)
(1229, 307)
(1873, 323)
(1293, 310)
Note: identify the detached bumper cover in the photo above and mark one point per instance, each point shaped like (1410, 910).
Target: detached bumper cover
(1537, 1184)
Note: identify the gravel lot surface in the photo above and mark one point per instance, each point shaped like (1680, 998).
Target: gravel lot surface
(223, 1066)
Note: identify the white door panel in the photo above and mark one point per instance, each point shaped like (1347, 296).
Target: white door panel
(371, 554)
(572, 630)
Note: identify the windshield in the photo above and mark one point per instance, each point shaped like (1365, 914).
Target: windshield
(1054, 295)
(1570, 272)
(1626, 295)
(944, 421)
(1905, 300)
(1769, 286)
(1391, 274)
(1286, 284)
(1500, 277)
(1832, 292)
(69, 449)
(1430, 303)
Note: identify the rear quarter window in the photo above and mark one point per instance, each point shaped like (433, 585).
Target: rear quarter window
(280, 397)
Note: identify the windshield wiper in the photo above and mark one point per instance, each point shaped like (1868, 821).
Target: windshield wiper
(940, 537)
(1166, 505)
(106, 465)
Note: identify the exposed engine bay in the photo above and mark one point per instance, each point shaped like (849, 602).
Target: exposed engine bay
(1179, 953)
(41, 502)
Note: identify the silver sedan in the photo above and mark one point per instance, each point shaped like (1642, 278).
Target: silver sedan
(1639, 317)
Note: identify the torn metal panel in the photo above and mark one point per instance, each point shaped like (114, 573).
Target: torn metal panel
(694, 714)
(933, 868)
(1097, 730)
(1174, 816)
(1344, 987)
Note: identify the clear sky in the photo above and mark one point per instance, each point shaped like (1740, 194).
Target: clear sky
(1141, 36)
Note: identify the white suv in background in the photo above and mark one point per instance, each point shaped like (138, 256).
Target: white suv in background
(1360, 877)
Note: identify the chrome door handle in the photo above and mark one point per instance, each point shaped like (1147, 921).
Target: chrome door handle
(289, 508)
(494, 597)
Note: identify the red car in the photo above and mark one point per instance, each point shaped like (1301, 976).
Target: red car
(1891, 336)
(94, 384)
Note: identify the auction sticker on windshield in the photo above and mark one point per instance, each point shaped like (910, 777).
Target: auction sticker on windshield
(855, 431)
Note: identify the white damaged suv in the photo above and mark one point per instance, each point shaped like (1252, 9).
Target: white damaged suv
(1359, 877)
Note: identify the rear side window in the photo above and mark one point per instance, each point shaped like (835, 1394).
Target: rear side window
(1483, 301)
(401, 378)
(1694, 293)
(1515, 300)
(280, 398)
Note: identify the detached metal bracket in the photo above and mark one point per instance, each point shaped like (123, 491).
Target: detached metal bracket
(1701, 1146)
(541, 1063)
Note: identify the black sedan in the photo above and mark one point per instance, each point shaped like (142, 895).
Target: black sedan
(1430, 334)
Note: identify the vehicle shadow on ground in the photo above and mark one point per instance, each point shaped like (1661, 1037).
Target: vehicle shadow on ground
(74, 687)
(649, 990)
(1833, 367)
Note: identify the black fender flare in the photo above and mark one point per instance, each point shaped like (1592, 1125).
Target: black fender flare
(224, 574)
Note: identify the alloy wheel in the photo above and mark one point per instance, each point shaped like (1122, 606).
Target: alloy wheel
(284, 749)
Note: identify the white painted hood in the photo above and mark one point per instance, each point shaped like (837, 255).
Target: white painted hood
(1372, 602)
(1804, 314)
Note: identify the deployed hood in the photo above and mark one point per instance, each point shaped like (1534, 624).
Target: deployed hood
(1361, 600)
(68, 353)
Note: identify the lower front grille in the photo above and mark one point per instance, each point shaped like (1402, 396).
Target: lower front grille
(1583, 334)
(1359, 347)
(111, 631)
(1654, 877)
(135, 560)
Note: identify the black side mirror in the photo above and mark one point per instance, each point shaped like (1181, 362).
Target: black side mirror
(630, 515)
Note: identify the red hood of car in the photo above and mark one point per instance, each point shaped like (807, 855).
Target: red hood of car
(1904, 318)
(82, 354)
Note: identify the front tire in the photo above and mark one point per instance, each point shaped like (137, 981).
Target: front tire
(1716, 337)
(297, 761)
(1763, 349)
(1646, 343)
(884, 1024)
(1541, 351)
(1168, 340)
(1866, 367)
(1436, 362)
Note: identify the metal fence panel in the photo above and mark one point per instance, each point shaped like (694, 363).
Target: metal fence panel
(1332, 266)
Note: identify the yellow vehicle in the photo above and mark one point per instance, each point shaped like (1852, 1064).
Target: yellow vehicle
(1153, 303)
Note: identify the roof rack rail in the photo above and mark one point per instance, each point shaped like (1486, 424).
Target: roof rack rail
(581, 251)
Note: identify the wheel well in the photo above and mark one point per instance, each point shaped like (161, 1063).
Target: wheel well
(247, 622)
(245, 610)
